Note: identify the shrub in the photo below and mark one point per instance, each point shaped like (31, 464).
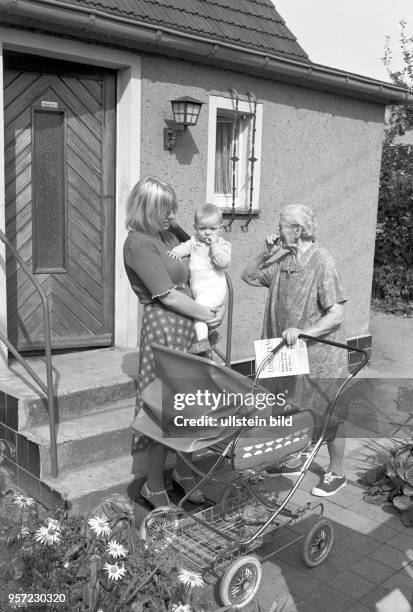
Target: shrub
(393, 260)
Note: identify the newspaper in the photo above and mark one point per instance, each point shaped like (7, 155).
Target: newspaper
(288, 361)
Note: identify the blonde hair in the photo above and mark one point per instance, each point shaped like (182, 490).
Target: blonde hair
(148, 203)
(207, 210)
(298, 214)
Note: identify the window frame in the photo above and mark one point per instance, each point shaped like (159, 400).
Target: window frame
(224, 201)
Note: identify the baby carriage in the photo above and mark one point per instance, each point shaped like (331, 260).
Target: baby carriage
(217, 542)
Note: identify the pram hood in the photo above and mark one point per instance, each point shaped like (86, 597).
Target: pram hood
(188, 386)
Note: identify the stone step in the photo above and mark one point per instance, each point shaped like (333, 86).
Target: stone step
(86, 439)
(83, 382)
(70, 405)
(86, 487)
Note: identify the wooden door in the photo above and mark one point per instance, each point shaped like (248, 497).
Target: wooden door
(59, 170)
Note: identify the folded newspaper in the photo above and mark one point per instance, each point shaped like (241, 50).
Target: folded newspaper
(288, 361)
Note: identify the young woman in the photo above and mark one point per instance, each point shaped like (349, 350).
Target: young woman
(161, 284)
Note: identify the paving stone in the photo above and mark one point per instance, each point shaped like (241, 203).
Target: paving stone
(402, 581)
(341, 532)
(292, 556)
(372, 570)
(358, 607)
(393, 520)
(340, 559)
(299, 583)
(345, 499)
(328, 599)
(283, 602)
(383, 533)
(361, 543)
(350, 582)
(271, 588)
(303, 606)
(390, 556)
(404, 540)
(354, 521)
(373, 596)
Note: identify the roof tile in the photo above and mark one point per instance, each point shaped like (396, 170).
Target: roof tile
(253, 24)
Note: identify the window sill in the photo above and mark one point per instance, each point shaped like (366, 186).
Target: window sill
(242, 213)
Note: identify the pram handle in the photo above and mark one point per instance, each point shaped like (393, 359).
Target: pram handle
(347, 347)
(340, 345)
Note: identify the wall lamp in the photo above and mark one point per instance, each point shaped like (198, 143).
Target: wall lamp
(186, 112)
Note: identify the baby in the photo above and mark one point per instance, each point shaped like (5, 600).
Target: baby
(209, 256)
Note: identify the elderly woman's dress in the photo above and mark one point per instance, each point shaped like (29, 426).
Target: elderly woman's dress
(300, 293)
(153, 274)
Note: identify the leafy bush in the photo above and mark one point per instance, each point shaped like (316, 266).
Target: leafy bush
(393, 260)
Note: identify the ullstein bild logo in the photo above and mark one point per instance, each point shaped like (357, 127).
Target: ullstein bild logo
(233, 421)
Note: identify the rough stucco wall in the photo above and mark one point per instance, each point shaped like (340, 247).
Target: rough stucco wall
(318, 149)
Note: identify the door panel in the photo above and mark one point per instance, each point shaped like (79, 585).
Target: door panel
(59, 167)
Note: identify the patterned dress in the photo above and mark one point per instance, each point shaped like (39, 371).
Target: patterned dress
(152, 274)
(300, 292)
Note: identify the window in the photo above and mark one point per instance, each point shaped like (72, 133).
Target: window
(232, 178)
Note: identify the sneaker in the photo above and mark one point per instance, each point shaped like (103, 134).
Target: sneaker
(330, 484)
(292, 467)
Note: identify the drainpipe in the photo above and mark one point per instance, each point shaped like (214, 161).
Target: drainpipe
(58, 17)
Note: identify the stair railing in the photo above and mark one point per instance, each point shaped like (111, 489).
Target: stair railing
(47, 388)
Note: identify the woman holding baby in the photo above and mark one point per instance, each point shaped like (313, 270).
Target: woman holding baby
(160, 279)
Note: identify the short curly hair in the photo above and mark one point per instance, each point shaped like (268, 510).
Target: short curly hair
(303, 216)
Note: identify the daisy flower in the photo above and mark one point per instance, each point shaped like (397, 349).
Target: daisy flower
(191, 579)
(181, 608)
(116, 550)
(114, 571)
(51, 522)
(100, 526)
(47, 535)
(23, 501)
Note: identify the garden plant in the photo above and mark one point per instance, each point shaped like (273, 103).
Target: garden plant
(63, 561)
(393, 261)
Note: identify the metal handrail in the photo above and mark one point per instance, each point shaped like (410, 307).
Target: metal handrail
(48, 388)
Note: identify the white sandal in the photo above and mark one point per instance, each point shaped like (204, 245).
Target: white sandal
(196, 497)
(147, 494)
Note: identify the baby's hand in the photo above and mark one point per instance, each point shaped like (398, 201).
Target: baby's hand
(173, 255)
(213, 239)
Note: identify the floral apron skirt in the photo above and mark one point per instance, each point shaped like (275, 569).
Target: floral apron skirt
(159, 326)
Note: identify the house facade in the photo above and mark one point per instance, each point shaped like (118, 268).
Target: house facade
(86, 90)
(101, 112)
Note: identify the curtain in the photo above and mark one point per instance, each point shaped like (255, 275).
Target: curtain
(223, 153)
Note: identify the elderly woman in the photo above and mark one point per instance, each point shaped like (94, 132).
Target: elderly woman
(169, 311)
(306, 296)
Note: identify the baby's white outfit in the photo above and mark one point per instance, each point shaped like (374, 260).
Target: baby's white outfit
(207, 264)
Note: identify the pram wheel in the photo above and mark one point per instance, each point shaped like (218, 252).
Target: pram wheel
(240, 582)
(318, 543)
(153, 527)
